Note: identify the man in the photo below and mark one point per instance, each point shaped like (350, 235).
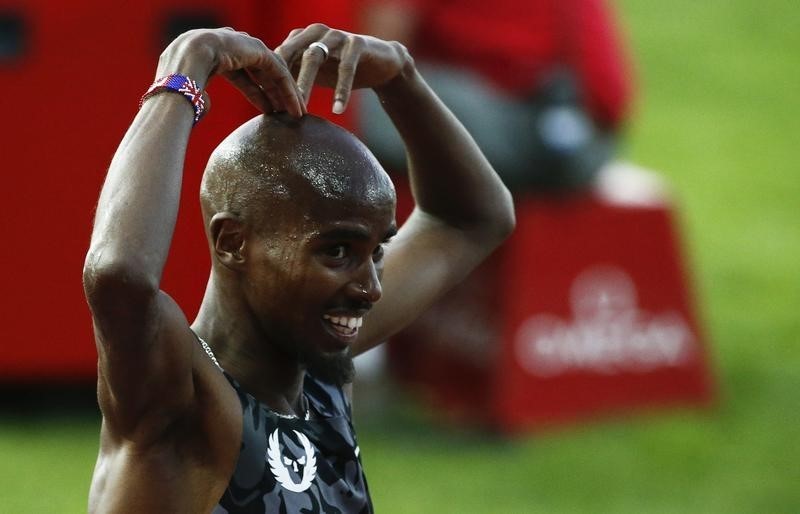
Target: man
(543, 86)
(298, 215)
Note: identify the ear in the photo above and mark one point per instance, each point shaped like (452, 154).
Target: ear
(228, 239)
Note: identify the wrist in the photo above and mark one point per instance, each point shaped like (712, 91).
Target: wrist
(182, 85)
(403, 80)
(191, 54)
(405, 89)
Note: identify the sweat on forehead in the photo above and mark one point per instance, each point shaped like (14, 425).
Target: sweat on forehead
(276, 157)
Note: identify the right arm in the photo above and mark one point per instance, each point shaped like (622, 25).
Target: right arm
(143, 339)
(463, 210)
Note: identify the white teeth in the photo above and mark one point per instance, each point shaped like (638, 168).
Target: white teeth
(345, 321)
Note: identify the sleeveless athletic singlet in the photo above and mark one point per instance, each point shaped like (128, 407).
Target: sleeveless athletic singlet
(289, 465)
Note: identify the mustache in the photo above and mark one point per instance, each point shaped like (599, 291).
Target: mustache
(360, 307)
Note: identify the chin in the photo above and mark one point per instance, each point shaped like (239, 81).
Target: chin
(333, 367)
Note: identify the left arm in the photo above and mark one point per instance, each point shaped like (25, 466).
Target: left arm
(463, 211)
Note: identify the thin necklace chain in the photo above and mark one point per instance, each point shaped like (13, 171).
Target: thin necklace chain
(209, 352)
(303, 400)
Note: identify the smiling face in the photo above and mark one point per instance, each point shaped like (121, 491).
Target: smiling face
(312, 286)
(313, 244)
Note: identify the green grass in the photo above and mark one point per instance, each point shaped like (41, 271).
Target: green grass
(718, 116)
(46, 462)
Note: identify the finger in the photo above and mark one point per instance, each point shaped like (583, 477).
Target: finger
(242, 81)
(313, 59)
(292, 48)
(266, 86)
(271, 92)
(292, 35)
(281, 60)
(287, 58)
(275, 81)
(348, 64)
(287, 73)
(255, 55)
(291, 96)
(285, 48)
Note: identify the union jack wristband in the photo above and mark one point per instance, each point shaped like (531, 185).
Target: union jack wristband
(180, 84)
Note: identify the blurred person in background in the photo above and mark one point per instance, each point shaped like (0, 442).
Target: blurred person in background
(542, 85)
(298, 215)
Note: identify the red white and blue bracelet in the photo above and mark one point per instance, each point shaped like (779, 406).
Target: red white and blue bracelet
(180, 84)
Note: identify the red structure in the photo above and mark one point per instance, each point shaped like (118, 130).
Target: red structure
(70, 79)
(586, 310)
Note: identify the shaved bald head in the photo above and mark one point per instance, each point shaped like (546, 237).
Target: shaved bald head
(282, 198)
(274, 165)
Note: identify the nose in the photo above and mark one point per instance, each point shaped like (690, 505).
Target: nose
(366, 285)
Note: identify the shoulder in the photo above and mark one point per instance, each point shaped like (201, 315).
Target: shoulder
(185, 461)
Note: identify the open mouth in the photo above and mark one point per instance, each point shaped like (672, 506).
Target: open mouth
(344, 326)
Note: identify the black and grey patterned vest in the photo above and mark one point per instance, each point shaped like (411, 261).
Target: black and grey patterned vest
(291, 465)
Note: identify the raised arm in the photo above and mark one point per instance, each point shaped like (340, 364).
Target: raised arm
(463, 209)
(143, 339)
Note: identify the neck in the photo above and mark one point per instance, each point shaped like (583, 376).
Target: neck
(246, 352)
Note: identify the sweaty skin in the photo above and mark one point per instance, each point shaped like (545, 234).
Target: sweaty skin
(298, 216)
(297, 183)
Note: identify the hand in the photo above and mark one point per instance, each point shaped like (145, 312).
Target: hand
(261, 75)
(355, 61)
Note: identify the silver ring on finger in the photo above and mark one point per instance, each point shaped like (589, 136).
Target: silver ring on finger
(322, 46)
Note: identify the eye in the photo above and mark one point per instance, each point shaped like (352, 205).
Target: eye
(377, 254)
(336, 252)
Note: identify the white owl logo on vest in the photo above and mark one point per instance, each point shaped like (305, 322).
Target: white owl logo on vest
(278, 463)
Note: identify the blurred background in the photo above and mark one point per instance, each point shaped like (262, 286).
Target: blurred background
(691, 216)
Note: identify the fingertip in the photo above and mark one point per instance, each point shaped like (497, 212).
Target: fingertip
(338, 107)
(299, 110)
(297, 107)
(279, 54)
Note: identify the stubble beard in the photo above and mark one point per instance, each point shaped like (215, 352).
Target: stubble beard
(334, 368)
